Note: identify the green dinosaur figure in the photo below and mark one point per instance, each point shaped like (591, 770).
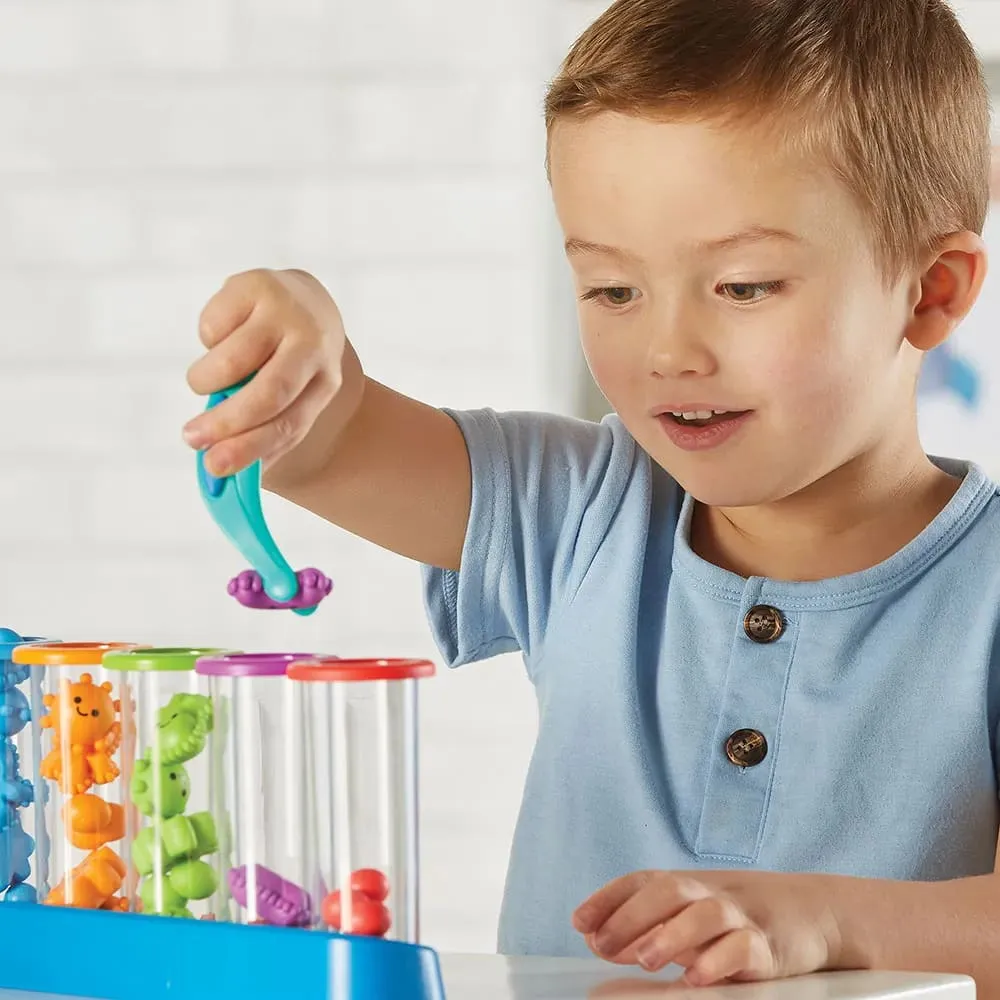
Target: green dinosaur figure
(182, 727)
(168, 853)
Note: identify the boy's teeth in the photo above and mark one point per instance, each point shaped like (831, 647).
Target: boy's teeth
(698, 414)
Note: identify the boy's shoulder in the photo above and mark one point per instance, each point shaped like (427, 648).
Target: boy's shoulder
(568, 459)
(967, 531)
(959, 552)
(557, 503)
(563, 476)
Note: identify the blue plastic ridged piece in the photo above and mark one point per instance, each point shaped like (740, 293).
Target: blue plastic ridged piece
(159, 958)
(16, 792)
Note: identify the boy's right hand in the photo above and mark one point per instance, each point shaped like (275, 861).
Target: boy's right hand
(377, 463)
(284, 326)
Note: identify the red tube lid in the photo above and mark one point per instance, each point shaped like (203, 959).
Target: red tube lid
(330, 669)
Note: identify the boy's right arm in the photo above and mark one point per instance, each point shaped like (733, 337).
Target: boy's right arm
(378, 464)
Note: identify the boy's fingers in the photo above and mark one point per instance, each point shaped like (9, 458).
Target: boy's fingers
(289, 430)
(692, 929)
(277, 384)
(628, 956)
(273, 439)
(743, 955)
(654, 904)
(616, 917)
(239, 355)
(593, 912)
(229, 308)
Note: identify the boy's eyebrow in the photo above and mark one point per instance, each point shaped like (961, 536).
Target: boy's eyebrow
(576, 247)
(752, 234)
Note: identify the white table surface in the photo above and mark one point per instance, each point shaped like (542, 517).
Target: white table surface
(487, 977)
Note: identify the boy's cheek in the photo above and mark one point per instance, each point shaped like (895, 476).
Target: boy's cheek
(783, 369)
(623, 380)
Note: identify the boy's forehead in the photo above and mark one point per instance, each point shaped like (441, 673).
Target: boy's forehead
(616, 173)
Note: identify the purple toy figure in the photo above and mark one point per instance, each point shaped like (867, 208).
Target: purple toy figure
(248, 589)
(278, 901)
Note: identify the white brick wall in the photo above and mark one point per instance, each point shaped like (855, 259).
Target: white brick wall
(150, 147)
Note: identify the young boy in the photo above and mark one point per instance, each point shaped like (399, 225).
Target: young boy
(762, 623)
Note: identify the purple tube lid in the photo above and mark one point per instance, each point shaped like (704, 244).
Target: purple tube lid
(248, 664)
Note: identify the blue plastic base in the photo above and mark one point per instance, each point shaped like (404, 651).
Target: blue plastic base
(122, 956)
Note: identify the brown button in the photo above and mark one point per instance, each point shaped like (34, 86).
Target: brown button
(746, 747)
(763, 623)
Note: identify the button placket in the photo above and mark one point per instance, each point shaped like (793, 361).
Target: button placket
(742, 758)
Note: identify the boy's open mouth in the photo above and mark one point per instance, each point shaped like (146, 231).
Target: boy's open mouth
(702, 418)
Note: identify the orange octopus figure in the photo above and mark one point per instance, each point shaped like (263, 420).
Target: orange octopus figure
(93, 883)
(86, 733)
(92, 822)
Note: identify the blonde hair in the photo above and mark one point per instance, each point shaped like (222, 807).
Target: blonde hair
(890, 92)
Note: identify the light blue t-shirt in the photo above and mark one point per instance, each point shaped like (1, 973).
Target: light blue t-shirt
(876, 693)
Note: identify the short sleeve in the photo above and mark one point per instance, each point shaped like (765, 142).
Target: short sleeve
(545, 490)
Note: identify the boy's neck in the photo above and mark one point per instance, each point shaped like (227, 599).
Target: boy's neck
(854, 518)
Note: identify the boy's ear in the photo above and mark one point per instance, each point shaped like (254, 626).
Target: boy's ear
(948, 289)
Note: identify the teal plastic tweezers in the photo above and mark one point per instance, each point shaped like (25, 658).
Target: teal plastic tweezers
(235, 505)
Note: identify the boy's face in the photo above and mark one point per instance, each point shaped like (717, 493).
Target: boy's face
(717, 273)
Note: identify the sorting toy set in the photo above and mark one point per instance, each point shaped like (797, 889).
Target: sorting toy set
(230, 823)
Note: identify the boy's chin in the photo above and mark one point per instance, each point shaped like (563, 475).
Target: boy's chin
(730, 487)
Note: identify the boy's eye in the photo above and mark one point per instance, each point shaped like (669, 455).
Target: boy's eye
(749, 291)
(614, 295)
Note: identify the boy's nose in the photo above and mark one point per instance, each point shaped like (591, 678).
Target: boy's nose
(678, 351)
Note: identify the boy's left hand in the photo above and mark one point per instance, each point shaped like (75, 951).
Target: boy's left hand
(718, 925)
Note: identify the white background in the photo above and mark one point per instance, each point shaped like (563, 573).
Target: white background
(148, 148)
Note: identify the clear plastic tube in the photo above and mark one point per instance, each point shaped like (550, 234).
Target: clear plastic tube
(266, 867)
(79, 802)
(364, 787)
(170, 837)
